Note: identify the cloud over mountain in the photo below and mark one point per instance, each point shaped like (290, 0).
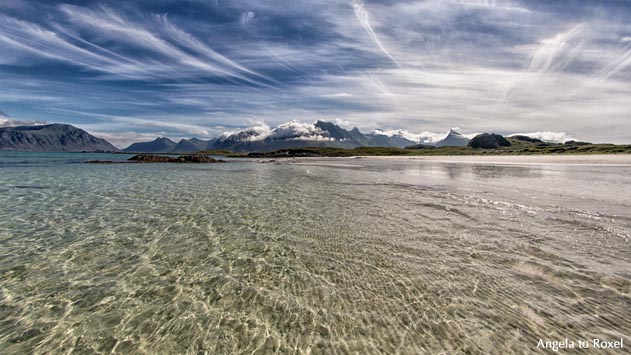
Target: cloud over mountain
(261, 136)
(6, 121)
(551, 137)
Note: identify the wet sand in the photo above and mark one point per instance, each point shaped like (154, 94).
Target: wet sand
(596, 159)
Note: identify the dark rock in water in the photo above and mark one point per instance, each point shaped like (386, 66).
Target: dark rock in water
(52, 138)
(526, 139)
(197, 159)
(488, 141)
(150, 158)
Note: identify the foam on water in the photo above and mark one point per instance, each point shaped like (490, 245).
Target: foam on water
(260, 258)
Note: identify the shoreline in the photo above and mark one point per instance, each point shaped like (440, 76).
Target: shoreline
(621, 160)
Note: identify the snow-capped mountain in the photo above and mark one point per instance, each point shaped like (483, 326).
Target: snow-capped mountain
(297, 134)
(453, 139)
(294, 134)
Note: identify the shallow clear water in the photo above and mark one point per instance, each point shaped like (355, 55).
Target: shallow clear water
(366, 256)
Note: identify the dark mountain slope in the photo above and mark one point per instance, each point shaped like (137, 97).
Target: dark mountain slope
(52, 138)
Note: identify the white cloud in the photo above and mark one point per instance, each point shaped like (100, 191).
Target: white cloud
(362, 14)
(163, 38)
(185, 39)
(617, 65)
(298, 130)
(258, 132)
(343, 123)
(289, 130)
(12, 123)
(423, 137)
(246, 17)
(556, 52)
(292, 130)
(7, 121)
(167, 124)
(550, 137)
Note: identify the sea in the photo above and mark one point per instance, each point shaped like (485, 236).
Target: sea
(313, 256)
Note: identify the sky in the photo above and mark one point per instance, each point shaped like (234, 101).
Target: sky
(133, 70)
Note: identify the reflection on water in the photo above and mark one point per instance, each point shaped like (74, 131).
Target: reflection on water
(460, 170)
(604, 189)
(262, 258)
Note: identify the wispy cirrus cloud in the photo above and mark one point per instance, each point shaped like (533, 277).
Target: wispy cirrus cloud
(557, 52)
(186, 67)
(363, 15)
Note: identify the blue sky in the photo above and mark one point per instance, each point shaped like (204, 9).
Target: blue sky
(133, 70)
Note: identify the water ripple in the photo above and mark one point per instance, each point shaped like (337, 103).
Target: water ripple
(261, 258)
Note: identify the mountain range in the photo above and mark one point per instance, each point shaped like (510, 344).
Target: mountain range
(287, 135)
(261, 138)
(166, 145)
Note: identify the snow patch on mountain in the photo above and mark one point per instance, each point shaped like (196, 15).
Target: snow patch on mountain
(423, 137)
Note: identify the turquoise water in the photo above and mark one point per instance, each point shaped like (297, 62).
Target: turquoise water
(322, 257)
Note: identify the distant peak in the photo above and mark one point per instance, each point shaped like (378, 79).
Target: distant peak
(453, 139)
(162, 139)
